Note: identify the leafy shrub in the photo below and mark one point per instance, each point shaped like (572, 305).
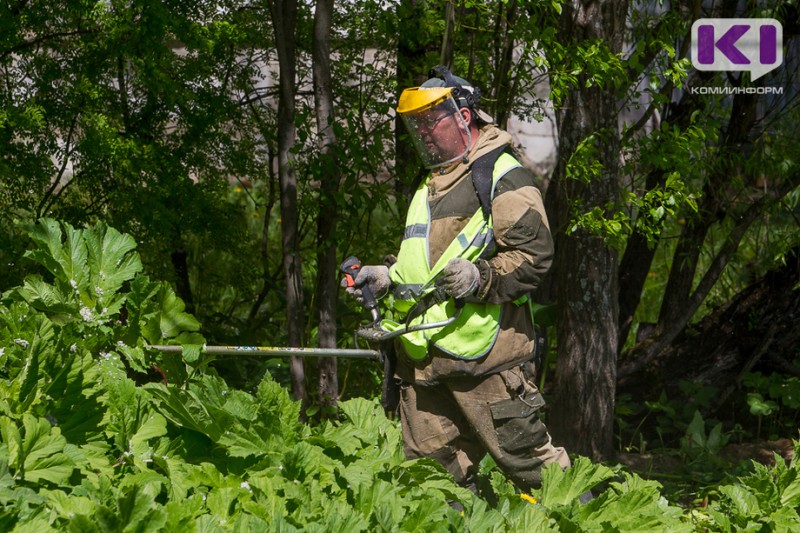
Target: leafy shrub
(774, 397)
(100, 433)
(766, 500)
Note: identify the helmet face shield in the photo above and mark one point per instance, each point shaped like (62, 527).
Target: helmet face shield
(434, 122)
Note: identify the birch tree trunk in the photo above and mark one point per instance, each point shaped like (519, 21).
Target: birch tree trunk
(284, 20)
(326, 221)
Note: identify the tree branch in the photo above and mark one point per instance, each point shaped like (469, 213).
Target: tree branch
(41, 39)
(46, 203)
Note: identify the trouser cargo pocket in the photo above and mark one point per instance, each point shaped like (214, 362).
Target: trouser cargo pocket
(517, 423)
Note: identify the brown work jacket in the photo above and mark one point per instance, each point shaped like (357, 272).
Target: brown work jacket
(524, 254)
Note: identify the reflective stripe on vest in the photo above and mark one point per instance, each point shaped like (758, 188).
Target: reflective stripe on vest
(473, 333)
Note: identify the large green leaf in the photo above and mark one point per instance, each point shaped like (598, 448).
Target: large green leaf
(375, 495)
(43, 450)
(531, 519)
(346, 437)
(241, 442)
(182, 514)
(151, 425)
(174, 320)
(141, 306)
(75, 397)
(185, 409)
(109, 259)
(304, 461)
(634, 510)
(479, 517)
(36, 453)
(12, 442)
(423, 515)
(66, 505)
(169, 322)
(744, 502)
(134, 509)
(339, 516)
(46, 233)
(791, 493)
(61, 305)
(562, 487)
(784, 520)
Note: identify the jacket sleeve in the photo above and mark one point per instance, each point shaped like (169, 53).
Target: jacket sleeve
(524, 244)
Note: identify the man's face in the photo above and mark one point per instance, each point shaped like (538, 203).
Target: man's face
(441, 134)
(444, 132)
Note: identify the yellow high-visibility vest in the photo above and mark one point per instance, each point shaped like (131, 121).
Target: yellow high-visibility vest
(474, 332)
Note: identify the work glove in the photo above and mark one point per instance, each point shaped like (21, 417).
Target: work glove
(461, 278)
(376, 277)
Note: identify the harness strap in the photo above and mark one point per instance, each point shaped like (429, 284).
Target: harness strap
(482, 170)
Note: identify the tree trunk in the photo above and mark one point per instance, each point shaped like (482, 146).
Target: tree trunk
(680, 301)
(411, 71)
(501, 90)
(284, 19)
(639, 253)
(183, 286)
(326, 221)
(582, 415)
(448, 40)
(650, 348)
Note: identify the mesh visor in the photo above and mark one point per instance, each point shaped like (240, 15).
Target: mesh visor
(439, 133)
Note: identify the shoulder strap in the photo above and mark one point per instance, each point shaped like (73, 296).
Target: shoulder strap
(482, 170)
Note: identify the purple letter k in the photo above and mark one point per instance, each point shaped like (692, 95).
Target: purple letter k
(726, 44)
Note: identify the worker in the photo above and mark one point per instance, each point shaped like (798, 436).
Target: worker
(477, 236)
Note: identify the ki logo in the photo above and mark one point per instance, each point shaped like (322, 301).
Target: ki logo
(737, 44)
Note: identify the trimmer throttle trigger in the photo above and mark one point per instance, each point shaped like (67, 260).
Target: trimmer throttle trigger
(350, 268)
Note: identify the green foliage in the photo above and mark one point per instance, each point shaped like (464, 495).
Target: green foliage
(143, 114)
(587, 63)
(701, 446)
(84, 448)
(768, 499)
(774, 398)
(675, 426)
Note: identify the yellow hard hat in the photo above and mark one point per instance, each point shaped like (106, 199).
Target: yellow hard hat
(417, 99)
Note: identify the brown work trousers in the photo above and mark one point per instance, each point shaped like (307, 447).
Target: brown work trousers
(459, 420)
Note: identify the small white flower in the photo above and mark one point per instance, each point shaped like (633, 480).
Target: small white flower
(245, 485)
(121, 344)
(86, 313)
(2, 351)
(73, 284)
(98, 291)
(73, 348)
(22, 342)
(105, 355)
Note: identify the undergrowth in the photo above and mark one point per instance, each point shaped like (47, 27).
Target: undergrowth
(98, 432)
